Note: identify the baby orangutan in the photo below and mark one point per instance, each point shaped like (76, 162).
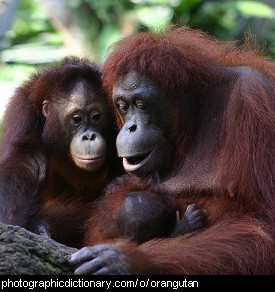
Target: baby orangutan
(147, 215)
(136, 215)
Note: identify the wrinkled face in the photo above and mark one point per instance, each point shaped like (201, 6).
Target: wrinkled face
(83, 122)
(143, 141)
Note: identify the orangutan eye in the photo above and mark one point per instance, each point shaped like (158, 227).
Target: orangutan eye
(140, 103)
(76, 119)
(96, 117)
(122, 105)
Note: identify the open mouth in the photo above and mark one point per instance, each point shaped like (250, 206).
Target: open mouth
(134, 162)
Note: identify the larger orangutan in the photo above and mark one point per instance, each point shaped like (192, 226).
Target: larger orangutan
(199, 113)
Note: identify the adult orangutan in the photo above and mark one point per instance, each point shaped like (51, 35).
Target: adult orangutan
(58, 150)
(201, 114)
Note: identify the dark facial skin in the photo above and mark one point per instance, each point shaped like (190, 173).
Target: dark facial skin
(84, 121)
(143, 141)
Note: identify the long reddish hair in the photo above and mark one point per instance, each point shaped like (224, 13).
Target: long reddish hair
(182, 60)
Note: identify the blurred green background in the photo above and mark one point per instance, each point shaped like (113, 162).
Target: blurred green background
(35, 32)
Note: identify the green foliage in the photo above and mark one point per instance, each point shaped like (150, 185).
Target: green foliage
(15, 72)
(32, 25)
(103, 22)
(253, 9)
(225, 19)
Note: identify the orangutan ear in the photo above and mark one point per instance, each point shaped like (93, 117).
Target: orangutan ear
(45, 108)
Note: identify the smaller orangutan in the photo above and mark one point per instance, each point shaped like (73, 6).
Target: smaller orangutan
(147, 215)
(58, 150)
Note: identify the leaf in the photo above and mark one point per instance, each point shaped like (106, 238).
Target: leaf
(254, 9)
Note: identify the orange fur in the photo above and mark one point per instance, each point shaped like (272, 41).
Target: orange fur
(224, 158)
